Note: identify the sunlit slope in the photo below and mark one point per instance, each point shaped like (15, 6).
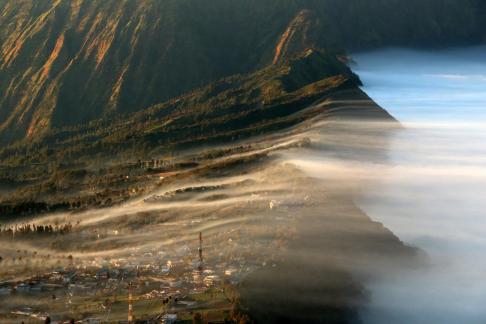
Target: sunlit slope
(65, 62)
(229, 109)
(216, 118)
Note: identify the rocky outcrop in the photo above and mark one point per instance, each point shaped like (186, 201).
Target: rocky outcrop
(301, 34)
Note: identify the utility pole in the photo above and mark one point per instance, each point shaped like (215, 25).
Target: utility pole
(200, 266)
(130, 304)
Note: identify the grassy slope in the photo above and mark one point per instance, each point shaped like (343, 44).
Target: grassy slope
(83, 166)
(65, 62)
(231, 108)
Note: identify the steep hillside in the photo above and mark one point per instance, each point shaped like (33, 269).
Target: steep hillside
(302, 33)
(234, 107)
(65, 62)
(84, 165)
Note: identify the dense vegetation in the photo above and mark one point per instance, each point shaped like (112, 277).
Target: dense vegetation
(230, 108)
(96, 163)
(68, 62)
(84, 83)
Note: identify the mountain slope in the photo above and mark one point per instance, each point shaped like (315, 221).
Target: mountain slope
(73, 165)
(66, 62)
(233, 107)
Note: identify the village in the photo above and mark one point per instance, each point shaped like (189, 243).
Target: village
(105, 291)
(156, 266)
(195, 283)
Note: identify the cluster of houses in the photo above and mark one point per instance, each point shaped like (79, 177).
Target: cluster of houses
(173, 275)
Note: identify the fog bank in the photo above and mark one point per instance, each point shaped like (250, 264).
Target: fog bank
(432, 195)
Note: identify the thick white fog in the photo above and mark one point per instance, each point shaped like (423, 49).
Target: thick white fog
(433, 194)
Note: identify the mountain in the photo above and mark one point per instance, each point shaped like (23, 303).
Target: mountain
(67, 164)
(158, 119)
(233, 107)
(67, 62)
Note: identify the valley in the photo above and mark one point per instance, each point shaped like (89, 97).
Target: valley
(246, 161)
